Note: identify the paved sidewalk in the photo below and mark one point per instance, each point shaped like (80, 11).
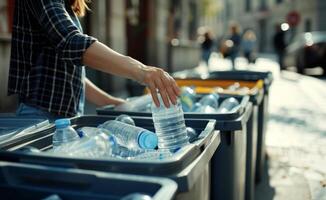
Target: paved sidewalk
(296, 133)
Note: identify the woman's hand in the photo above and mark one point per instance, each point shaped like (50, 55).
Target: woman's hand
(157, 80)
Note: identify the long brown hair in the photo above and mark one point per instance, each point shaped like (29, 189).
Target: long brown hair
(79, 6)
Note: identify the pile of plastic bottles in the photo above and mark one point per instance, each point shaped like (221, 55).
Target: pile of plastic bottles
(120, 138)
(206, 104)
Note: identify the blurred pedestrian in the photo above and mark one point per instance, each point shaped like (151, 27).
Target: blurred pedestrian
(207, 47)
(235, 37)
(248, 45)
(48, 54)
(279, 44)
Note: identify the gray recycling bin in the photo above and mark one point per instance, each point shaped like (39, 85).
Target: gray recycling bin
(190, 166)
(24, 181)
(253, 76)
(15, 130)
(229, 163)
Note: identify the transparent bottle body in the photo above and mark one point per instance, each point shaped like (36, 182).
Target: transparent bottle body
(64, 135)
(169, 126)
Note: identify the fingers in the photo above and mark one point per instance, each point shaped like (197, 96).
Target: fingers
(152, 89)
(163, 92)
(169, 85)
(158, 79)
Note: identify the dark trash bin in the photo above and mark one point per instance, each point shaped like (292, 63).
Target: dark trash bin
(253, 76)
(229, 161)
(24, 181)
(190, 166)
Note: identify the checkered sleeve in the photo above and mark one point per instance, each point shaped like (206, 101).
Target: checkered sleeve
(64, 36)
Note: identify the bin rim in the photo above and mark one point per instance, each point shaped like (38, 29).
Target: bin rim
(168, 186)
(153, 168)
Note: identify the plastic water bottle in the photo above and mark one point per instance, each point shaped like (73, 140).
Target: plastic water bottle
(187, 98)
(235, 86)
(192, 134)
(131, 136)
(64, 133)
(208, 103)
(135, 104)
(125, 119)
(159, 154)
(96, 146)
(137, 196)
(169, 125)
(228, 105)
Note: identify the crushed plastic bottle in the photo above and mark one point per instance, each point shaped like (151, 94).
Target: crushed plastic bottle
(135, 104)
(96, 146)
(169, 125)
(228, 105)
(192, 134)
(207, 104)
(64, 133)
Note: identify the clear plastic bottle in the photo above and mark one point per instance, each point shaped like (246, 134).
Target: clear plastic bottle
(234, 87)
(135, 104)
(64, 133)
(228, 105)
(95, 146)
(125, 119)
(169, 125)
(192, 134)
(131, 136)
(187, 98)
(208, 103)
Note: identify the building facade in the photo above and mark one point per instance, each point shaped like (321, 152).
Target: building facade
(263, 15)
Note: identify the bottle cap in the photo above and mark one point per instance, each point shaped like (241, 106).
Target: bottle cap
(62, 123)
(147, 140)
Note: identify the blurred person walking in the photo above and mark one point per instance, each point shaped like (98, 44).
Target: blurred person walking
(249, 45)
(279, 44)
(48, 54)
(207, 47)
(235, 37)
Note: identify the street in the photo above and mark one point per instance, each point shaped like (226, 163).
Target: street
(296, 133)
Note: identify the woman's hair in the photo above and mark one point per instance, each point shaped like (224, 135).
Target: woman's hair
(79, 6)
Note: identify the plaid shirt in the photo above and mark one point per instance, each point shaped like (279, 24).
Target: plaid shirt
(46, 54)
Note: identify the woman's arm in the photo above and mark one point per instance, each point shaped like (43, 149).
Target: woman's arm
(98, 97)
(101, 57)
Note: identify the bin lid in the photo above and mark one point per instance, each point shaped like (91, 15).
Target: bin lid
(38, 182)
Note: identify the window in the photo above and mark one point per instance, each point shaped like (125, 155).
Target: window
(248, 5)
(307, 25)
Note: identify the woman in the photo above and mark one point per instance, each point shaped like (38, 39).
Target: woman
(47, 58)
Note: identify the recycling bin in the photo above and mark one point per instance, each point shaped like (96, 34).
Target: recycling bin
(14, 130)
(25, 181)
(189, 167)
(253, 76)
(255, 92)
(229, 161)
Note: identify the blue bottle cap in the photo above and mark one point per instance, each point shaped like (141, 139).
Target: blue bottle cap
(147, 140)
(62, 123)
